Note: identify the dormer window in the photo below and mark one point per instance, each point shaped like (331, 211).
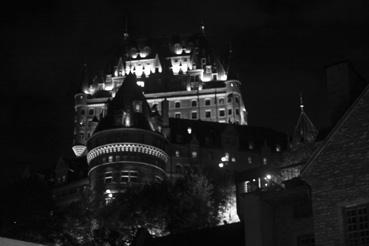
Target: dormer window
(137, 106)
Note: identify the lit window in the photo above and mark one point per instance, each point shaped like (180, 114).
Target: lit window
(194, 115)
(237, 111)
(207, 114)
(110, 158)
(356, 221)
(177, 115)
(194, 103)
(246, 186)
(230, 111)
(208, 69)
(108, 177)
(128, 176)
(177, 105)
(140, 83)
(249, 160)
(194, 154)
(137, 105)
(203, 61)
(265, 161)
(221, 112)
(207, 102)
(177, 153)
(278, 148)
(221, 100)
(233, 159)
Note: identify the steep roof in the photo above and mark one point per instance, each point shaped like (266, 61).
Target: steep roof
(305, 131)
(352, 128)
(121, 110)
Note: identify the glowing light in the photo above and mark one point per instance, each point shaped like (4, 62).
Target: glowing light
(205, 78)
(189, 130)
(110, 195)
(79, 150)
(140, 83)
(194, 154)
(268, 177)
(147, 70)
(139, 71)
(225, 157)
(222, 77)
(228, 212)
(221, 165)
(175, 69)
(108, 191)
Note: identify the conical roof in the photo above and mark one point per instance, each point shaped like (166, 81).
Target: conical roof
(305, 131)
(128, 109)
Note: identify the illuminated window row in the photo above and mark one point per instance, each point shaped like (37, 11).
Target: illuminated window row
(207, 102)
(126, 176)
(127, 147)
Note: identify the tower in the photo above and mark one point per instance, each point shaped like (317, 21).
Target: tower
(127, 147)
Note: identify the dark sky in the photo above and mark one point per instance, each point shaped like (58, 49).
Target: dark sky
(280, 49)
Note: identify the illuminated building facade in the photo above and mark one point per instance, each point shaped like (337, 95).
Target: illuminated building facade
(187, 74)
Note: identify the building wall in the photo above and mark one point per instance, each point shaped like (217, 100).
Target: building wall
(339, 175)
(290, 226)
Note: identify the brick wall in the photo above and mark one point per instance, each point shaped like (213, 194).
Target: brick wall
(339, 174)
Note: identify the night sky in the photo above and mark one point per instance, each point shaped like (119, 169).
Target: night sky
(280, 49)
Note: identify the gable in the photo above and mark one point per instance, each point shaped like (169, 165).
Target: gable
(344, 157)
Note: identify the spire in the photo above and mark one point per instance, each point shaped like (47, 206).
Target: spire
(301, 103)
(125, 33)
(84, 79)
(202, 27)
(230, 50)
(305, 131)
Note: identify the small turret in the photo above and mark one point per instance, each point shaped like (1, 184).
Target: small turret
(305, 132)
